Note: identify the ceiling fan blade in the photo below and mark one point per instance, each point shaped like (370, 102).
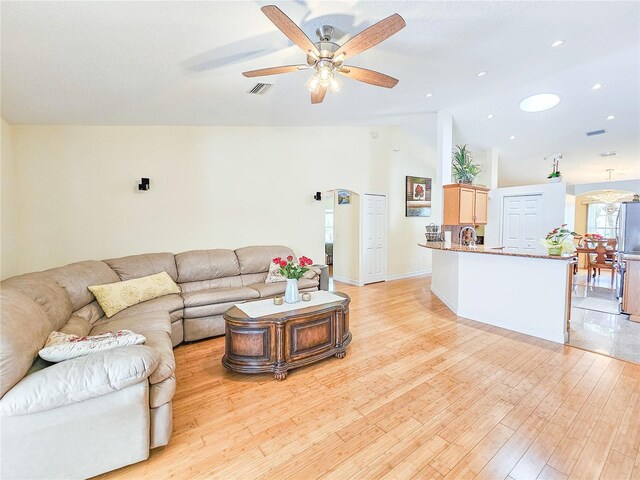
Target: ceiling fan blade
(274, 70)
(290, 29)
(368, 76)
(318, 97)
(371, 36)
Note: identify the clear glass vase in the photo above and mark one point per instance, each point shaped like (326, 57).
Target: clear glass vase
(291, 294)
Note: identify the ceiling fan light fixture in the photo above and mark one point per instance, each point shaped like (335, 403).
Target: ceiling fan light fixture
(313, 84)
(335, 85)
(327, 57)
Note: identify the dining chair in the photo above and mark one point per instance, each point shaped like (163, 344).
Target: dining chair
(599, 258)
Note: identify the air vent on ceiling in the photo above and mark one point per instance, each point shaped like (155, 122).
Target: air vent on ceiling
(260, 88)
(609, 154)
(596, 132)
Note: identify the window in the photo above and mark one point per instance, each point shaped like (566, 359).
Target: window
(602, 218)
(328, 226)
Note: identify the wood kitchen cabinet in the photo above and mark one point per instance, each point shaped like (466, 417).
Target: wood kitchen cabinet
(631, 291)
(465, 204)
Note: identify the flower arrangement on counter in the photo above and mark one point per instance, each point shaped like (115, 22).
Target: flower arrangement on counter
(559, 241)
(291, 269)
(593, 236)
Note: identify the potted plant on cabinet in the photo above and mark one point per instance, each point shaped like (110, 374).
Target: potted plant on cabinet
(559, 241)
(462, 164)
(555, 176)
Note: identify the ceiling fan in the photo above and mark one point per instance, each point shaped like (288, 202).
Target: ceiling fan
(327, 57)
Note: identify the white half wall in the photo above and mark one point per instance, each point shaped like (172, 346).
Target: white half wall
(481, 287)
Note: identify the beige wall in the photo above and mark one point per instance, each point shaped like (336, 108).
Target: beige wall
(211, 187)
(581, 215)
(404, 255)
(346, 239)
(9, 205)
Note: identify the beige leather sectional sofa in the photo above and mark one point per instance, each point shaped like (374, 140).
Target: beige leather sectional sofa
(93, 414)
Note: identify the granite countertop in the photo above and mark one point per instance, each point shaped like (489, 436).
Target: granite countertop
(455, 247)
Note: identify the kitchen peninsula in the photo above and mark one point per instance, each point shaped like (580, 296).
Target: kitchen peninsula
(526, 292)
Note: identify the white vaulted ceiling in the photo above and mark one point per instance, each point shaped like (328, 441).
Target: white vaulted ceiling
(180, 63)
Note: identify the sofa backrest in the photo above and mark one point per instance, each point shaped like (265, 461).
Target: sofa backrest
(136, 266)
(46, 293)
(258, 259)
(25, 327)
(204, 269)
(76, 277)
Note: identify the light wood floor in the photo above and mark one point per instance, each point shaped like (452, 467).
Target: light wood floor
(420, 394)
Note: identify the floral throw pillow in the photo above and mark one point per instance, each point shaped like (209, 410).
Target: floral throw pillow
(114, 297)
(274, 274)
(60, 346)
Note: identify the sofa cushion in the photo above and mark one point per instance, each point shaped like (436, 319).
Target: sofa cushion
(76, 277)
(161, 344)
(218, 295)
(91, 312)
(198, 265)
(251, 278)
(223, 282)
(80, 379)
(60, 346)
(271, 289)
(136, 266)
(115, 297)
(167, 303)
(209, 310)
(142, 323)
(44, 291)
(257, 259)
(24, 327)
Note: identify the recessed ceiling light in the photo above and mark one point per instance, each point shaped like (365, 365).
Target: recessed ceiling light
(612, 153)
(557, 43)
(610, 117)
(596, 86)
(539, 102)
(512, 137)
(490, 115)
(428, 95)
(481, 74)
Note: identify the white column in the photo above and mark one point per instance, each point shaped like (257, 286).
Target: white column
(493, 160)
(443, 164)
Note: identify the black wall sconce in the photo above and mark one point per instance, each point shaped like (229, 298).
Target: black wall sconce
(318, 196)
(144, 184)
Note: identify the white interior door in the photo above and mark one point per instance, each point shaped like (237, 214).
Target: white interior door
(521, 223)
(374, 228)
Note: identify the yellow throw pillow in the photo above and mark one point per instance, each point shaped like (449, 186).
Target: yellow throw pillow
(115, 297)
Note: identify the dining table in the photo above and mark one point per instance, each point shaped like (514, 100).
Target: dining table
(590, 245)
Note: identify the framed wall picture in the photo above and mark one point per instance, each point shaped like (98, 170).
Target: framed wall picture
(344, 197)
(418, 197)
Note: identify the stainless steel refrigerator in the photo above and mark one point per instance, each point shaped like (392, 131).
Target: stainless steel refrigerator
(628, 233)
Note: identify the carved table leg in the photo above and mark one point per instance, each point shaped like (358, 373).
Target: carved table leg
(280, 375)
(341, 354)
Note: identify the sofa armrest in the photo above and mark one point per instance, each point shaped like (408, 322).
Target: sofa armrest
(324, 277)
(80, 379)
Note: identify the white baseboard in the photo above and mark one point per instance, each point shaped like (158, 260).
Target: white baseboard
(450, 305)
(400, 276)
(349, 281)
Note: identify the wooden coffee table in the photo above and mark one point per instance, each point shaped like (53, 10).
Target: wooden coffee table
(282, 341)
